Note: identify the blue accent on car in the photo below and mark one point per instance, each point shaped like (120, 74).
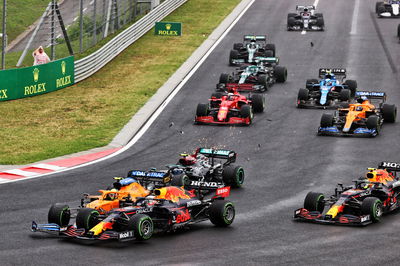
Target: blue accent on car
(363, 130)
(127, 181)
(329, 129)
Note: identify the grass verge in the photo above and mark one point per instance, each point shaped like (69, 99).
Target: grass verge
(91, 113)
(28, 12)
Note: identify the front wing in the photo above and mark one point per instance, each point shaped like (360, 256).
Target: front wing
(359, 132)
(344, 219)
(209, 120)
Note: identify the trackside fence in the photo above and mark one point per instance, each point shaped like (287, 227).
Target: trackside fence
(89, 65)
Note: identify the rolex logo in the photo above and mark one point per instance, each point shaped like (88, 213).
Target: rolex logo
(63, 67)
(36, 74)
(168, 26)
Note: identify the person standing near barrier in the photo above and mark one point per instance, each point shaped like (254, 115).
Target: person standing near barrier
(40, 56)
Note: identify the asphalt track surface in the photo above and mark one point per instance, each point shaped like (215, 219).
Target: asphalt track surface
(282, 156)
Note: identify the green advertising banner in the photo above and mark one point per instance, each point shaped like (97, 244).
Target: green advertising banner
(31, 81)
(168, 28)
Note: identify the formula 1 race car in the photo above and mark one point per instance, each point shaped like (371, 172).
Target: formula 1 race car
(210, 168)
(305, 19)
(329, 92)
(165, 210)
(253, 46)
(124, 192)
(363, 203)
(229, 109)
(363, 118)
(388, 8)
(258, 78)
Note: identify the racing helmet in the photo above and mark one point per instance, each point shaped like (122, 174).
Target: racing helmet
(361, 99)
(187, 160)
(112, 196)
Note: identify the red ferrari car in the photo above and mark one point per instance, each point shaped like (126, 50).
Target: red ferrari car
(229, 109)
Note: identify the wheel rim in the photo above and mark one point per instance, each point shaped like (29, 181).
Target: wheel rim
(146, 228)
(378, 210)
(240, 176)
(229, 214)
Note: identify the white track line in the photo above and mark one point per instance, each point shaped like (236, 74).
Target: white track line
(355, 18)
(20, 172)
(48, 166)
(316, 3)
(154, 116)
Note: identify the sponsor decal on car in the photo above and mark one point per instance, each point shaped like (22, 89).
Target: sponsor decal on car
(193, 203)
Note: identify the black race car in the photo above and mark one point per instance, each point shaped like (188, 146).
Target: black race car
(253, 46)
(330, 91)
(305, 19)
(257, 78)
(388, 8)
(209, 168)
(360, 204)
(166, 209)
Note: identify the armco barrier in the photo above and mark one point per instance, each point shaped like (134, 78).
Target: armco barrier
(89, 65)
(31, 81)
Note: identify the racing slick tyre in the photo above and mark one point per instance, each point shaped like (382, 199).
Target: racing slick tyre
(291, 22)
(377, 5)
(217, 95)
(246, 111)
(314, 201)
(373, 122)
(398, 31)
(87, 218)
(310, 82)
(59, 214)
(373, 207)
(326, 120)
(237, 46)
(303, 95)
(263, 80)
(270, 47)
(320, 22)
(233, 175)
(180, 180)
(319, 15)
(224, 78)
(202, 109)
(280, 73)
(142, 226)
(258, 103)
(381, 9)
(233, 55)
(291, 15)
(344, 95)
(352, 84)
(389, 112)
(221, 213)
(269, 53)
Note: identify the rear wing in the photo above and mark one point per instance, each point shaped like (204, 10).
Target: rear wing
(156, 177)
(302, 8)
(372, 94)
(255, 38)
(268, 60)
(390, 166)
(220, 154)
(336, 71)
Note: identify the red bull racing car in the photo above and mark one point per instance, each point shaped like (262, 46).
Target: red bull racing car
(229, 109)
(166, 209)
(360, 204)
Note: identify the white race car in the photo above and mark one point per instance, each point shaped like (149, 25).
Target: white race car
(388, 8)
